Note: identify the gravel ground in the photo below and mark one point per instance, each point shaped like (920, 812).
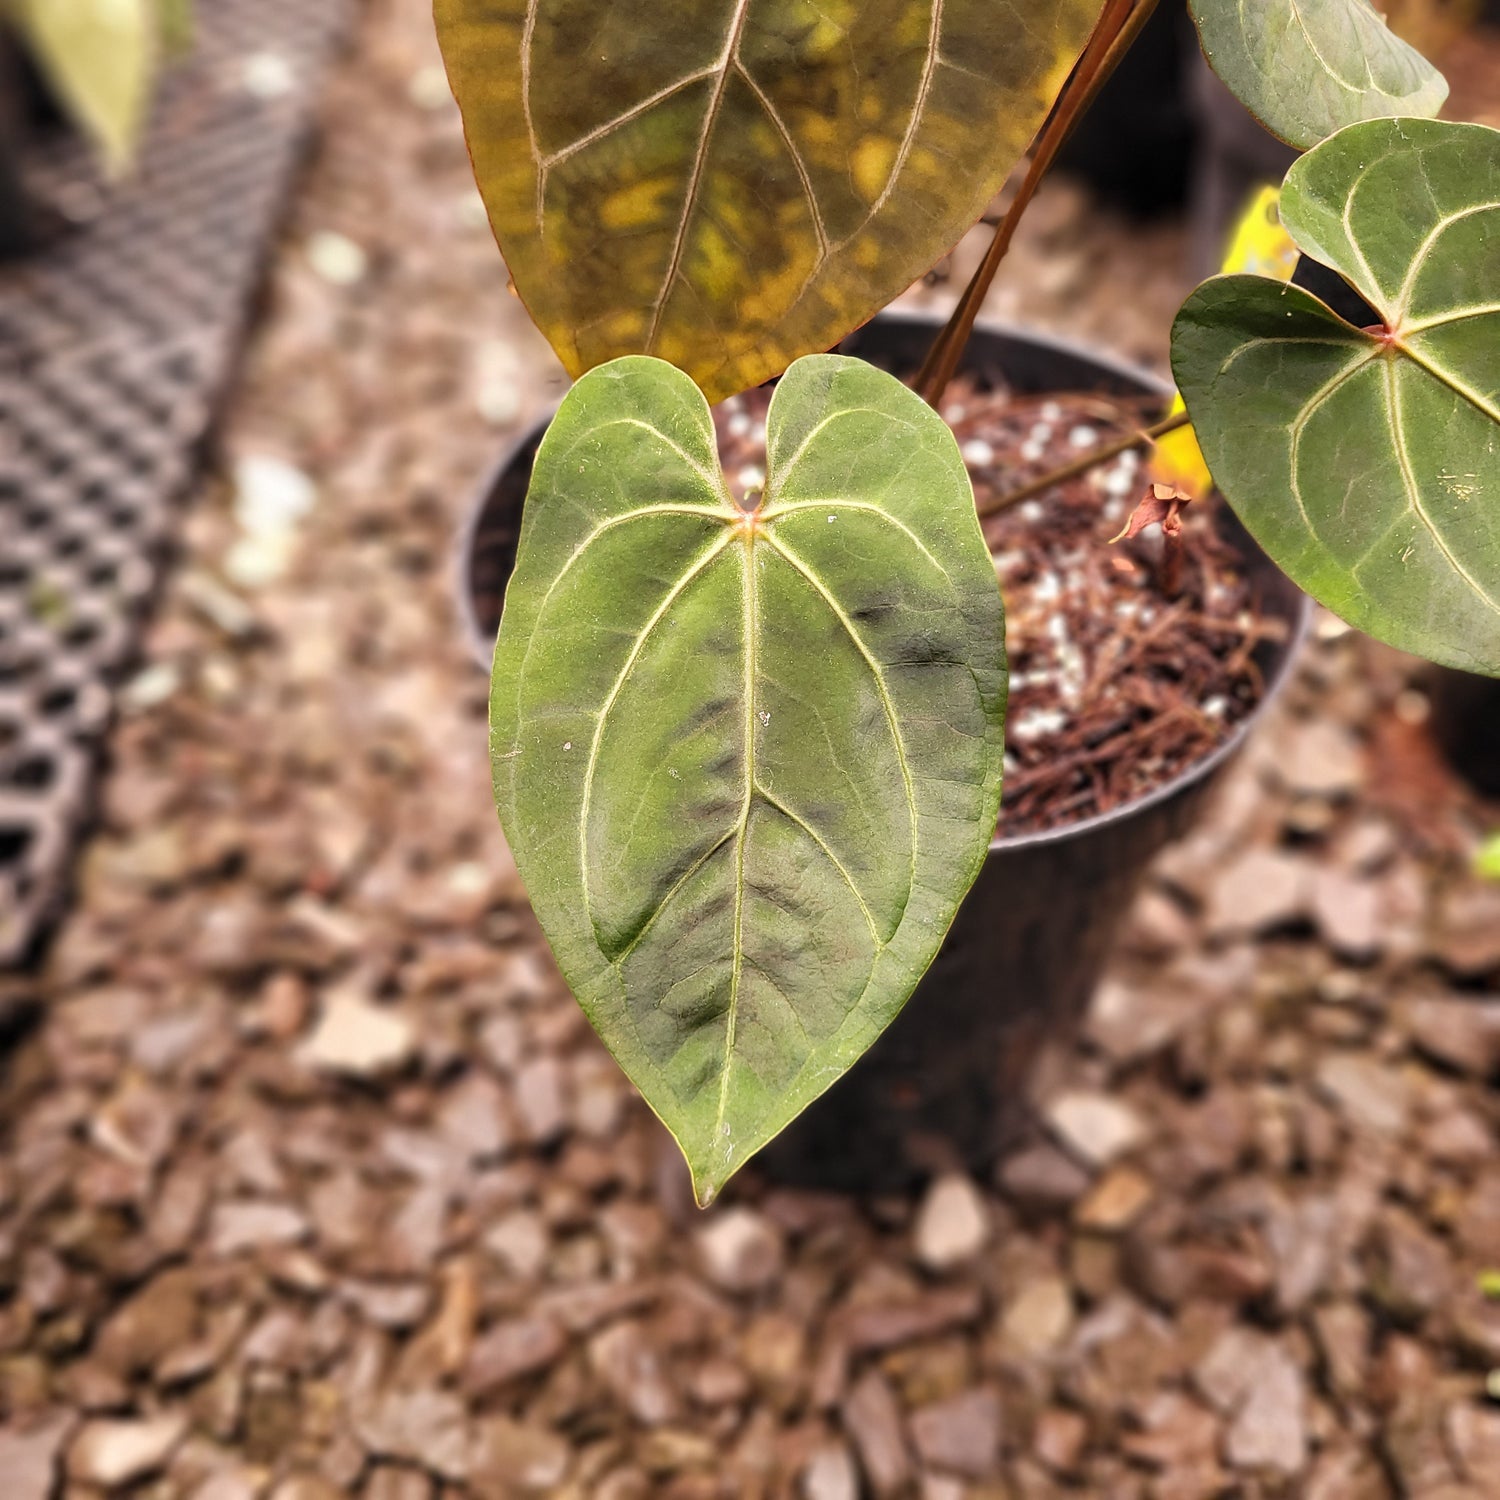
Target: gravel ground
(313, 1182)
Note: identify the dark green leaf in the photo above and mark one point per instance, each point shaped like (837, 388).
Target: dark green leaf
(748, 766)
(1307, 68)
(731, 185)
(1367, 462)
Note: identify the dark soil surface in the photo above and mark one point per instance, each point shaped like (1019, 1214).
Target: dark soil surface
(314, 1183)
(1125, 671)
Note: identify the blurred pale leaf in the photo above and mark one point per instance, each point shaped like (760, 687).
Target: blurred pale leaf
(100, 56)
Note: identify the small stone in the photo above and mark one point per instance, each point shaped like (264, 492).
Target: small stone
(271, 495)
(268, 75)
(719, 1382)
(115, 1453)
(1178, 1434)
(1466, 939)
(541, 1101)
(337, 258)
(1259, 892)
(151, 687)
(830, 1475)
(389, 1483)
(1413, 1275)
(28, 1457)
(511, 1350)
(1458, 1138)
(1322, 759)
(1342, 1333)
(1367, 844)
(427, 88)
(889, 1325)
(1463, 1035)
(283, 1006)
(231, 1484)
(1095, 1127)
(157, 1320)
(1224, 1374)
(425, 1427)
(1371, 1096)
(261, 558)
(474, 1116)
(1270, 1430)
(1349, 1474)
(1133, 1023)
(1348, 913)
(873, 1420)
(740, 1250)
(520, 1242)
(625, 1360)
(1301, 1239)
(416, 1235)
(952, 1224)
(236, 1227)
(306, 1487)
(1474, 1437)
(942, 1487)
(513, 1458)
(1478, 1219)
(1040, 1317)
(359, 1038)
(163, 1045)
(398, 1306)
(961, 1435)
(1059, 1439)
(774, 1352)
(1042, 1179)
(1156, 928)
(1115, 1202)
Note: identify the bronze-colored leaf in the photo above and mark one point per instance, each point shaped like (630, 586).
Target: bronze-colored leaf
(730, 184)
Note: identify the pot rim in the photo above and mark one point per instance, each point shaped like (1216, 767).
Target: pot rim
(1120, 369)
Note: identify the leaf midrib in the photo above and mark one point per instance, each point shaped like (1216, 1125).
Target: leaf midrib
(751, 788)
(751, 626)
(724, 68)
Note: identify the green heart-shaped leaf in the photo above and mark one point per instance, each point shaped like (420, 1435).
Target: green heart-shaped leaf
(100, 56)
(748, 764)
(1367, 462)
(731, 185)
(1307, 68)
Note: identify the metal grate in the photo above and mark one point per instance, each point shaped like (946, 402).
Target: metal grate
(116, 341)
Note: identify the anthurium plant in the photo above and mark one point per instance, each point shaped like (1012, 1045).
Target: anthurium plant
(748, 754)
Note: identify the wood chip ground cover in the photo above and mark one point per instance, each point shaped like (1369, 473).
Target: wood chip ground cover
(477, 1273)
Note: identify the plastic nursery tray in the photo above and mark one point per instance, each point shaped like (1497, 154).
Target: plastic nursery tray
(117, 338)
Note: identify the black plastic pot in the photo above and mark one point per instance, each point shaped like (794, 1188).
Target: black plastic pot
(1135, 144)
(1235, 155)
(1466, 725)
(947, 1083)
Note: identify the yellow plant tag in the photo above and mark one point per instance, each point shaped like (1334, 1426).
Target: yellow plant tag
(1261, 247)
